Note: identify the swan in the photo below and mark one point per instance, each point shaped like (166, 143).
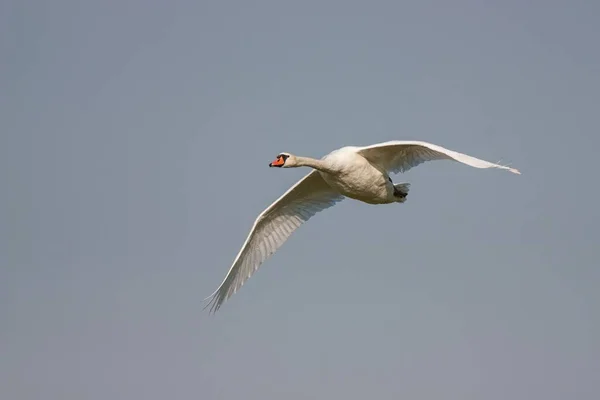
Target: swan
(360, 173)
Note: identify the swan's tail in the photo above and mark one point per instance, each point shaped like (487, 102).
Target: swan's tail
(401, 191)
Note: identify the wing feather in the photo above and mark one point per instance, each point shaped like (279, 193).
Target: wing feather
(402, 155)
(272, 228)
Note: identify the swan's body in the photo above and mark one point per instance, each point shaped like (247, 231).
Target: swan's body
(360, 173)
(351, 175)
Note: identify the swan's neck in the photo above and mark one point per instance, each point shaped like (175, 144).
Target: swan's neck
(320, 165)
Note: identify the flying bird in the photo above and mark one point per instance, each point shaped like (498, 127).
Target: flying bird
(360, 173)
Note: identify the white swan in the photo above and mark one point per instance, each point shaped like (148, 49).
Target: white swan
(360, 173)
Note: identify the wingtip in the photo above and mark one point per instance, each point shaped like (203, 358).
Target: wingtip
(515, 171)
(211, 304)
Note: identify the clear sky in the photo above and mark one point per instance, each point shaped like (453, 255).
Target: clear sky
(134, 143)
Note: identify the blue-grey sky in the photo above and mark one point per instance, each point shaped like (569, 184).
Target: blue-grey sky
(134, 143)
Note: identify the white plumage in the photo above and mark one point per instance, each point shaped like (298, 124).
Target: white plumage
(360, 173)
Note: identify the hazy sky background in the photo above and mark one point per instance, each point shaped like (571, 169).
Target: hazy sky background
(134, 143)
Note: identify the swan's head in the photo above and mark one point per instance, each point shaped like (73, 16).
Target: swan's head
(283, 160)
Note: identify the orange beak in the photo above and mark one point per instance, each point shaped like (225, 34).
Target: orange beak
(278, 162)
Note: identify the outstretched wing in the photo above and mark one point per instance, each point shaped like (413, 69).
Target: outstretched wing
(272, 228)
(402, 155)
